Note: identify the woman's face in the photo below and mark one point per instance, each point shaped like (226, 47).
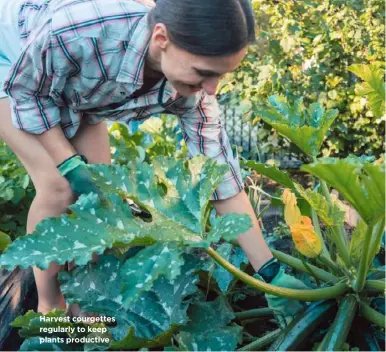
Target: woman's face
(190, 73)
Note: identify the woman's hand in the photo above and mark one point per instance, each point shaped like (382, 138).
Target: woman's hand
(75, 170)
(284, 309)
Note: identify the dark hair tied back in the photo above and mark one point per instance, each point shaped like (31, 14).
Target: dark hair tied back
(206, 27)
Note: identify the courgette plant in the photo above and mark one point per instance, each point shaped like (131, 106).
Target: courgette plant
(333, 257)
(147, 274)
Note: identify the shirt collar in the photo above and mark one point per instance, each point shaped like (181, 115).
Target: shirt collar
(132, 67)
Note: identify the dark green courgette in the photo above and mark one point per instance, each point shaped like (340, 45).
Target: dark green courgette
(337, 334)
(371, 340)
(303, 325)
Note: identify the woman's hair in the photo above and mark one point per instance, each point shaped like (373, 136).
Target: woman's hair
(206, 27)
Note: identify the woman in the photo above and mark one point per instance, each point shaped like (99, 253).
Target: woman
(70, 64)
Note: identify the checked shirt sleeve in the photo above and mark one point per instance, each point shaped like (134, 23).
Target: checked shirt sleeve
(204, 133)
(29, 85)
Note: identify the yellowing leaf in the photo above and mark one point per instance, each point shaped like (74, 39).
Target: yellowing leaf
(307, 242)
(292, 213)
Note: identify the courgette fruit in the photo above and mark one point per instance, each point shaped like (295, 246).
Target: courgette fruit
(371, 340)
(303, 325)
(337, 334)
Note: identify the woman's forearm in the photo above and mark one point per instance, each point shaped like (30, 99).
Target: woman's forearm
(252, 241)
(56, 144)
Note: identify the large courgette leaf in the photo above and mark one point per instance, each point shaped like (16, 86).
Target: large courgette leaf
(305, 127)
(178, 208)
(209, 328)
(145, 319)
(361, 183)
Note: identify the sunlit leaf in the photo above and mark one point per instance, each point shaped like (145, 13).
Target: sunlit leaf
(361, 183)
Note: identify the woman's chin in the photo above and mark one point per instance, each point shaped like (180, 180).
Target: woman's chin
(186, 93)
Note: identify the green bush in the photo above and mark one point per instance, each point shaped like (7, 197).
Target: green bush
(305, 49)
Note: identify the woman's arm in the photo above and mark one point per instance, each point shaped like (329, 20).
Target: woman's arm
(204, 133)
(56, 144)
(252, 242)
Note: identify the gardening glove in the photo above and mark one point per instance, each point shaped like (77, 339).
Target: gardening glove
(74, 169)
(284, 309)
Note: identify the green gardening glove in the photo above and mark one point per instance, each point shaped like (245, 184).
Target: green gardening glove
(285, 309)
(75, 170)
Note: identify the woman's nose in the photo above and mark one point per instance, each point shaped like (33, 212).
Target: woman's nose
(210, 85)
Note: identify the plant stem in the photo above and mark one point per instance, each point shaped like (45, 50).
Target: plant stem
(253, 313)
(330, 264)
(363, 269)
(315, 222)
(376, 240)
(310, 271)
(340, 236)
(375, 285)
(261, 342)
(302, 295)
(298, 265)
(371, 314)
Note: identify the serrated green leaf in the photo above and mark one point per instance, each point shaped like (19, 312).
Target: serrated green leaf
(154, 314)
(34, 344)
(373, 87)
(32, 324)
(140, 271)
(304, 127)
(235, 256)
(272, 172)
(331, 215)
(208, 329)
(177, 210)
(55, 331)
(361, 183)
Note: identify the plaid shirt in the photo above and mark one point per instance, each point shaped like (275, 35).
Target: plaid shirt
(84, 59)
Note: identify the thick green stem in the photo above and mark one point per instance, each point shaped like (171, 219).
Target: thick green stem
(302, 295)
(372, 315)
(331, 265)
(376, 241)
(318, 231)
(262, 341)
(339, 232)
(253, 313)
(375, 285)
(298, 265)
(363, 268)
